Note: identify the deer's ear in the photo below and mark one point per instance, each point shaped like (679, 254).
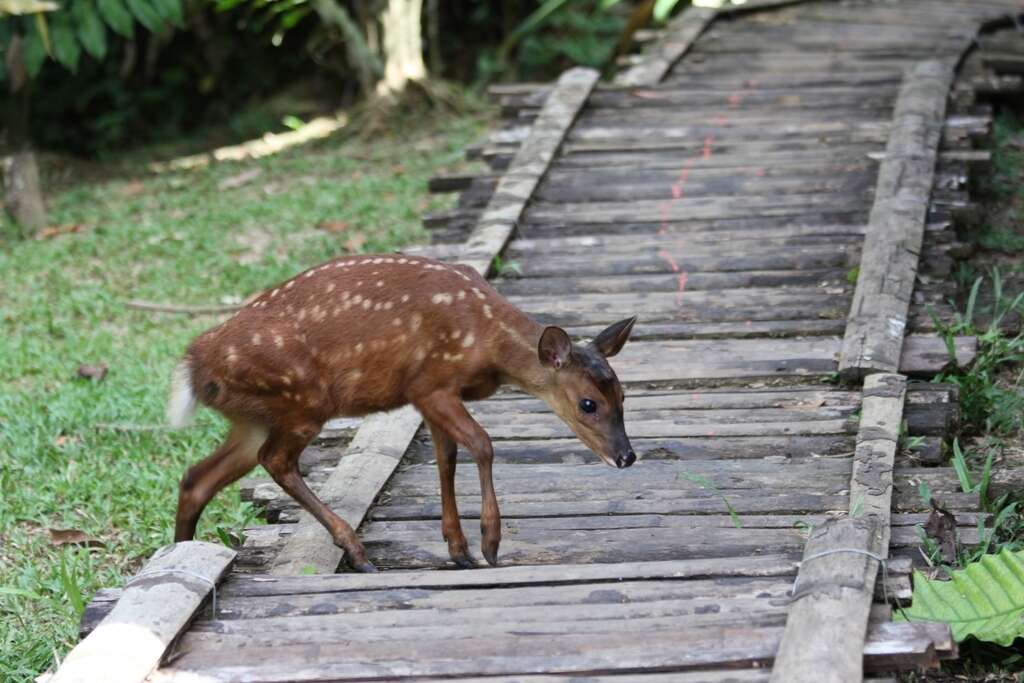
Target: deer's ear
(614, 337)
(554, 348)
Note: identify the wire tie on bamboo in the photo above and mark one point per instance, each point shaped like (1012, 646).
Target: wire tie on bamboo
(184, 572)
(794, 596)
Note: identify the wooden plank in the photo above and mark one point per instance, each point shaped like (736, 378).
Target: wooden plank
(889, 260)
(889, 644)
(659, 58)
(383, 438)
(155, 607)
(827, 624)
(882, 412)
(529, 166)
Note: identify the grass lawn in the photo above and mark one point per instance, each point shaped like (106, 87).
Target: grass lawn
(203, 236)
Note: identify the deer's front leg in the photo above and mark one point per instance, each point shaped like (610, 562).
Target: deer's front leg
(446, 450)
(447, 412)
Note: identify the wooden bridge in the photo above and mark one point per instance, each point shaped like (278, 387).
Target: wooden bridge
(773, 188)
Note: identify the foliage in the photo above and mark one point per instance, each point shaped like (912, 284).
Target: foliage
(987, 405)
(984, 600)
(178, 237)
(83, 25)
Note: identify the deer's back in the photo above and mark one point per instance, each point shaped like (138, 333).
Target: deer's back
(351, 336)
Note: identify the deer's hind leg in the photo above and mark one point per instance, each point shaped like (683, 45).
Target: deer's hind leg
(280, 458)
(232, 460)
(446, 450)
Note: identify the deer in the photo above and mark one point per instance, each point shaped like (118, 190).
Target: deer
(364, 334)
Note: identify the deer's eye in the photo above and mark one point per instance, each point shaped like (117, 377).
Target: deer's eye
(588, 406)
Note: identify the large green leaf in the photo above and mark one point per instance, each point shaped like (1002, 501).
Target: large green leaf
(117, 17)
(66, 49)
(146, 14)
(984, 600)
(89, 27)
(33, 50)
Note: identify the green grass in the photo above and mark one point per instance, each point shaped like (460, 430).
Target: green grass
(175, 237)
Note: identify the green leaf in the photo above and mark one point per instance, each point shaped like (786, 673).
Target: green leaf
(984, 600)
(33, 53)
(117, 17)
(91, 32)
(171, 11)
(146, 14)
(662, 8)
(66, 49)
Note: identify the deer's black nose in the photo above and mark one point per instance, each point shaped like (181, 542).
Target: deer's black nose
(626, 460)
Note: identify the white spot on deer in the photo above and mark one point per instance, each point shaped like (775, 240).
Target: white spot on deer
(256, 339)
(278, 341)
(287, 380)
(452, 356)
(291, 283)
(367, 303)
(336, 311)
(311, 273)
(355, 374)
(302, 314)
(286, 394)
(357, 298)
(330, 287)
(359, 283)
(464, 276)
(397, 322)
(405, 298)
(377, 306)
(389, 260)
(468, 341)
(420, 354)
(378, 260)
(487, 311)
(299, 373)
(360, 347)
(403, 261)
(442, 298)
(479, 295)
(344, 295)
(232, 354)
(388, 305)
(415, 321)
(456, 334)
(274, 293)
(380, 283)
(462, 294)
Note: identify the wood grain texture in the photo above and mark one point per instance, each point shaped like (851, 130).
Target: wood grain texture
(152, 611)
(889, 260)
(827, 625)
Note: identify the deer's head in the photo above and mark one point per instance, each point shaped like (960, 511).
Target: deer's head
(585, 392)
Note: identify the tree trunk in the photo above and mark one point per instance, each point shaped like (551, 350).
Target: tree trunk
(403, 46)
(23, 197)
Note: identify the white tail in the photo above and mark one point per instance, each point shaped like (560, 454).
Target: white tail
(182, 404)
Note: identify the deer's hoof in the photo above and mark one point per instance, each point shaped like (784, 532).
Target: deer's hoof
(464, 561)
(365, 567)
(491, 555)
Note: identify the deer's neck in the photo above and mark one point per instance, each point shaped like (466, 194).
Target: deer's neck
(517, 358)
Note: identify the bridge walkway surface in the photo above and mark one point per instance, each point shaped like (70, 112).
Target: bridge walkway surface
(773, 189)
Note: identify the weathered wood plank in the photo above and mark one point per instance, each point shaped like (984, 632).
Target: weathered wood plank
(659, 58)
(889, 260)
(888, 644)
(156, 605)
(827, 625)
(383, 438)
